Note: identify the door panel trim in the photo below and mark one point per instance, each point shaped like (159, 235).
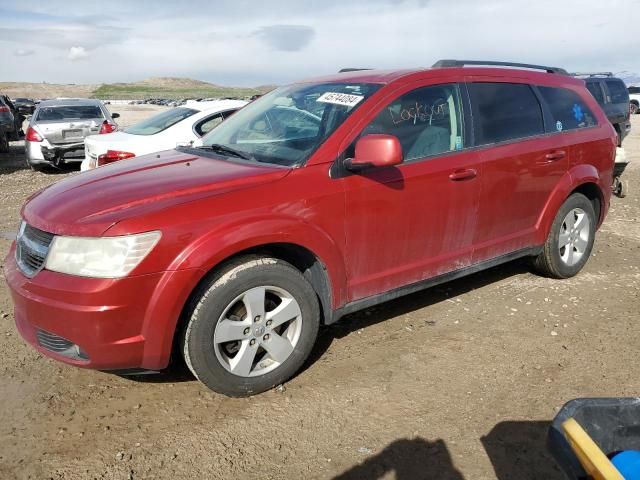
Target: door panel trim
(430, 282)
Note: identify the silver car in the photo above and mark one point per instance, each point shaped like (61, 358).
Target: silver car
(58, 128)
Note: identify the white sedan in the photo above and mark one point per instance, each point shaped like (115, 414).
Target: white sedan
(164, 131)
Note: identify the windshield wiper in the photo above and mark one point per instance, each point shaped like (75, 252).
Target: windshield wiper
(216, 147)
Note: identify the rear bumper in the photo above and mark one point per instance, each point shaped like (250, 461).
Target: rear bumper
(117, 324)
(46, 153)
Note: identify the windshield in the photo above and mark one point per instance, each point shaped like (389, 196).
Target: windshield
(160, 122)
(287, 125)
(69, 112)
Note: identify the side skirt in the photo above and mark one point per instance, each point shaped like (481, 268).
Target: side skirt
(430, 282)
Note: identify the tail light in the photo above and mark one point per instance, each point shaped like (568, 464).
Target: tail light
(107, 128)
(113, 156)
(4, 109)
(33, 136)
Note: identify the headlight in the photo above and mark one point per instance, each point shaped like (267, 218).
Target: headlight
(103, 257)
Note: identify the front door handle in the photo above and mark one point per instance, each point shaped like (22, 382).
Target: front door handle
(463, 174)
(557, 155)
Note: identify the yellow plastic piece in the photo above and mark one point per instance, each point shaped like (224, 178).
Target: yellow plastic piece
(592, 459)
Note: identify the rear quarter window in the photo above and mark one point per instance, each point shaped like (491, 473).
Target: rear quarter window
(504, 111)
(569, 110)
(617, 91)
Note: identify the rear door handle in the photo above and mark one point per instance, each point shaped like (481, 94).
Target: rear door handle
(557, 155)
(463, 174)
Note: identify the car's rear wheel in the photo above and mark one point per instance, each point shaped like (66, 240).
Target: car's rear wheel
(4, 142)
(251, 327)
(570, 240)
(633, 108)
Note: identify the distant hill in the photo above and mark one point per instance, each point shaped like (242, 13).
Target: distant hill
(630, 78)
(160, 87)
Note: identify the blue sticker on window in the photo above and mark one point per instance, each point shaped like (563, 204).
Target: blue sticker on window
(458, 142)
(577, 112)
(559, 126)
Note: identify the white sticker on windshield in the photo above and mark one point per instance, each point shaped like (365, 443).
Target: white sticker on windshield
(336, 98)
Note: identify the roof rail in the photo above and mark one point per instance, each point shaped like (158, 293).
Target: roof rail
(349, 69)
(462, 63)
(592, 74)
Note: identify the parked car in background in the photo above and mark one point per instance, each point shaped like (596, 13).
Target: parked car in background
(612, 95)
(634, 99)
(18, 118)
(7, 125)
(26, 106)
(58, 129)
(235, 252)
(164, 131)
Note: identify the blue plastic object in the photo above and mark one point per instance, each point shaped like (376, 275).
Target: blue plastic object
(628, 464)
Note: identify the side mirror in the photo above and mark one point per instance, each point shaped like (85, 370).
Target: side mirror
(115, 115)
(375, 150)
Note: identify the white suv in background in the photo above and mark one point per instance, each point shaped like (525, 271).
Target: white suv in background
(634, 99)
(166, 130)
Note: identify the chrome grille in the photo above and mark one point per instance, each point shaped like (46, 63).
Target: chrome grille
(53, 342)
(59, 345)
(31, 249)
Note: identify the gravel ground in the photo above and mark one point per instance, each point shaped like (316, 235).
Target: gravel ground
(459, 381)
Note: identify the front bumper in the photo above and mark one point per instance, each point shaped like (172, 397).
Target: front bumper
(115, 323)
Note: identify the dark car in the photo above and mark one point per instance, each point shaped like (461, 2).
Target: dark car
(612, 95)
(25, 106)
(10, 123)
(234, 252)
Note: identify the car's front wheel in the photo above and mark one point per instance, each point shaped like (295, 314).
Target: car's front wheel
(570, 240)
(251, 327)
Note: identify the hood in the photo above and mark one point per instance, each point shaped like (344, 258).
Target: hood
(91, 202)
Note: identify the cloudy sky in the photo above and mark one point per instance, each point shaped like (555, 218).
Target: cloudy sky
(250, 43)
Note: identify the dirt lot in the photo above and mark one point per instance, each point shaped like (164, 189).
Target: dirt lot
(456, 382)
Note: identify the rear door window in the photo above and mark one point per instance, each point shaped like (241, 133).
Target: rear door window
(596, 91)
(504, 111)
(617, 91)
(568, 109)
(427, 121)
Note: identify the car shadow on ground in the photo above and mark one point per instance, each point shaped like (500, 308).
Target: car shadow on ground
(409, 303)
(176, 372)
(14, 161)
(518, 450)
(409, 459)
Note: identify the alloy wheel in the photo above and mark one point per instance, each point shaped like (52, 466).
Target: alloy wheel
(258, 331)
(573, 239)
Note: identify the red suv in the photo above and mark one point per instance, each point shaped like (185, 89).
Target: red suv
(316, 200)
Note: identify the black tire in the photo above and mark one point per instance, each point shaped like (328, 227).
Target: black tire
(549, 262)
(633, 108)
(4, 142)
(211, 302)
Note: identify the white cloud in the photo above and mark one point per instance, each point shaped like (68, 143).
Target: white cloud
(77, 53)
(22, 52)
(242, 42)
